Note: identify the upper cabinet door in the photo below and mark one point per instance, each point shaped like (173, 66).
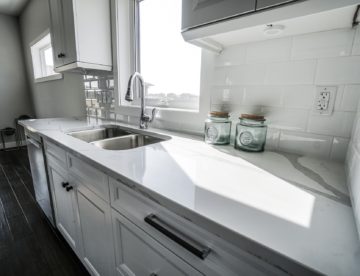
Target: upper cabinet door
(199, 12)
(261, 4)
(69, 32)
(56, 32)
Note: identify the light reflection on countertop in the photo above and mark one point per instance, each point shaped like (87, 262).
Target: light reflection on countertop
(297, 206)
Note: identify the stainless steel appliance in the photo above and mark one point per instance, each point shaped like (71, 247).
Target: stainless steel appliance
(39, 174)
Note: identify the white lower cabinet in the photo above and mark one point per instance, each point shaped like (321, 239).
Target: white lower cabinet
(139, 254)
(95, 232)
(115, 230)
(65, 209)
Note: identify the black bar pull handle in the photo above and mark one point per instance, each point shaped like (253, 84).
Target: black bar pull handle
(162, 227)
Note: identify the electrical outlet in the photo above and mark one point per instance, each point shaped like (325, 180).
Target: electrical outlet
(325, 99)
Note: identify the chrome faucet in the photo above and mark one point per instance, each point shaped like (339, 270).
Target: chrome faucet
(145, 119)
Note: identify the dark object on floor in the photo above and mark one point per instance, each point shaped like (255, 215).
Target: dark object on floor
(28, 244)
(8, 131)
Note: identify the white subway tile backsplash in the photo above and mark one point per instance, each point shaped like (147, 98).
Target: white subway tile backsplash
(233, 55)
(339, 148)
(356, 47)
(302, 96)
(272, 139)
(298, 72)
(345, 70)
(263, 95)
(269, 51)
(224, 94)
(339, 96)
(351, 98)
(286, 119)
(333, 43)
(356, 133)
(221, 76)
(338, 124)
(249, 74)
(278, 78)
(305, 143)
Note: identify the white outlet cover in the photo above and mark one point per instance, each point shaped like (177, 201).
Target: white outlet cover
(325, 100)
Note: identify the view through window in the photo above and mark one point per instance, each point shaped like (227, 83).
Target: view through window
(170, 66)
(42, 58)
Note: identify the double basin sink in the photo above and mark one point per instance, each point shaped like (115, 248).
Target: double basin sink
(112, 137)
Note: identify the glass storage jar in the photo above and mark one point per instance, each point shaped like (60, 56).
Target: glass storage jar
(217, 128)
(251, 133)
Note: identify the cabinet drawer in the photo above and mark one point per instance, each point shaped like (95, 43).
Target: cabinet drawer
(57, 152)
(93, 179)
(139, 254)
(222, 259)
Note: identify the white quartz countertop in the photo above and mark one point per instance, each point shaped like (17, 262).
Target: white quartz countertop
(296, 206)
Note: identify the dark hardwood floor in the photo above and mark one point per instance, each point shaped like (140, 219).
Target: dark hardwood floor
(28, 244)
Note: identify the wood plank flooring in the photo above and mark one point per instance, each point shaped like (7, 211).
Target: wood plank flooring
(28, 244)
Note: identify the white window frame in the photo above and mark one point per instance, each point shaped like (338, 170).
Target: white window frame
(125, 63)
(38, 60)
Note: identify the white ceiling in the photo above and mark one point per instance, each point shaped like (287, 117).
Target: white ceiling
(12, 7)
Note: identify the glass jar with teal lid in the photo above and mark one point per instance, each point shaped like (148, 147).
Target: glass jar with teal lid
(218, 128)
(251, 133)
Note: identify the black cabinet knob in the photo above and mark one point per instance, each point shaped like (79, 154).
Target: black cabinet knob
(69, 188)
(61, 55)
(65, 184)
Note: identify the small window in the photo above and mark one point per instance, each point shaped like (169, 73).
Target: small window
(170, 66)
(42, 58)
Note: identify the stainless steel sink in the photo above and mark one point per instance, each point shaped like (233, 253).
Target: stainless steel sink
(127, 142)
(104, 132)
(117, 137)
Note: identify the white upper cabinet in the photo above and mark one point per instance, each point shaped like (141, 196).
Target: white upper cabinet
(197, 13)
(215, 24)
(81, 34)
(261, 4)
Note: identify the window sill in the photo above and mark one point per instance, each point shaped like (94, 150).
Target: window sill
(49, 78)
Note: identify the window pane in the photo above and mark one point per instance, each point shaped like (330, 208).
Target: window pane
(49, 57)
(169, 65)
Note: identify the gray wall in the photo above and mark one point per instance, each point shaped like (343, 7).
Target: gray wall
(14, 94)
(57, 98)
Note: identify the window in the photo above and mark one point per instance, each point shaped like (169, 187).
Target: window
(148, 39)
(170, 66)
(42, 58)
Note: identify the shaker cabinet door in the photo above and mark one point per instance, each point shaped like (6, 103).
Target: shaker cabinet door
(196, 13)
(57, 35)
(69, 32)
(96, 232)
(63, 194)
